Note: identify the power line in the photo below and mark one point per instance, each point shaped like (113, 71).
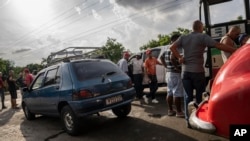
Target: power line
(119, 22)
(46, 25)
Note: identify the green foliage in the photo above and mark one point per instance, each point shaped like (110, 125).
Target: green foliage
(34, 67)
(164, 39)
(113, 50)
(5, 66)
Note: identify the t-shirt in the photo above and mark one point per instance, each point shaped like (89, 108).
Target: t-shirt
(1, 83)
(137, 65)
(150, 65)
(123, 65)
(167, 56)
(28, 79)
(193, 46)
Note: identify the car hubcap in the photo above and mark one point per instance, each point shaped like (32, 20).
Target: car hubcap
(68, 121)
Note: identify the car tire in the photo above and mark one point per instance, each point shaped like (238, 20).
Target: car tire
(70, 121)
(27, 113)
(122, 111)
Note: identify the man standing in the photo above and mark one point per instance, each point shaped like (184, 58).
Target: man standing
(123, 63)
(12, 89)
(229, 39)
(137, 65)
(2, 91)
(173, 78)
(193, 75)
(150, 68)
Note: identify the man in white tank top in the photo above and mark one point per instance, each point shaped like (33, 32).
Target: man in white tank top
(228, 39)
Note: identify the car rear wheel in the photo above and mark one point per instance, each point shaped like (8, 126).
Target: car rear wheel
(122, 111)
(70, 121)
(27, 113)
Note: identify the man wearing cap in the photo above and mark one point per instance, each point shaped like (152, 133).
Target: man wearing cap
(123, 63)
(150, 68)
(138, 69)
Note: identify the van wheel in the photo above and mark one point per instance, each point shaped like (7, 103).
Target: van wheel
(27, 113)
(70, 121)
(122, 111)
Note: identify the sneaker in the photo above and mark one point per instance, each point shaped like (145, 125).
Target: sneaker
(171, 112)
(180, 115)
(188, 125)
(4, 107)
(145, 99)
(155, 101)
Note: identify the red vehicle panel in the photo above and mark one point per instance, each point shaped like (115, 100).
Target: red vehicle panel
(229, 101)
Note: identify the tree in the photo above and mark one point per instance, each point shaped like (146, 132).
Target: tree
(32, 67)
(164, 39)
(112, 50)
(6, 65)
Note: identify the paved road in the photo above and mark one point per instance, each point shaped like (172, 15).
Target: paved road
(146, 122)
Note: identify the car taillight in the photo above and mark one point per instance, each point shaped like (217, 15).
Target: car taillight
(82, 94)
(130, 84)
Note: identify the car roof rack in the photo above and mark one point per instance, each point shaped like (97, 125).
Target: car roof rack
(73, 53)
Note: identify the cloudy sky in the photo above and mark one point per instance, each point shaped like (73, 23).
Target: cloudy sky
(32, 29)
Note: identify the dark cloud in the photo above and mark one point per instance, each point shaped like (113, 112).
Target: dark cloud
(142, 4)
(20, 51)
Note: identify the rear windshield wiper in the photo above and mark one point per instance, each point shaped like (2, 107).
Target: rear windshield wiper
(107, 74)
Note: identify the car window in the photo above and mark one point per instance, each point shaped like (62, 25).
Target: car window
(38, 82)
(89, 70)
(50, 78)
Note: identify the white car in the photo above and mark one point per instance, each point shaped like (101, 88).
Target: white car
(160, 69)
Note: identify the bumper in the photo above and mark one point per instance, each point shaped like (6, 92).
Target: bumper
(98, 104)
(199, 124)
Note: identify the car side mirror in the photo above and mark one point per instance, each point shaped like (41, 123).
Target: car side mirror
(26, 89)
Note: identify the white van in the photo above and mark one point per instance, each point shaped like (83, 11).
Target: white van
(160, 69)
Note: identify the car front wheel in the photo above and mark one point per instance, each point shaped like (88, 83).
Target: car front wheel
(27, 113)
(70, 121)
(122, 111)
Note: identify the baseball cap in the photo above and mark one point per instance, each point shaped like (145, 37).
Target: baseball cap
(241, 37)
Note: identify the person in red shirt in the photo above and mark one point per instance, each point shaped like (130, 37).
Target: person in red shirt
(150, 67)
(28, 78)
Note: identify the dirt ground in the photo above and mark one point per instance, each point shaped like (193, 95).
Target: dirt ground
(146, 122)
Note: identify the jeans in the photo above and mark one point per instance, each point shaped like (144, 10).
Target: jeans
(193, 81)
(138, 84)
(153, 86)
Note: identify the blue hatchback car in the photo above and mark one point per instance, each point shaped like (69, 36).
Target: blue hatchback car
(74, 89)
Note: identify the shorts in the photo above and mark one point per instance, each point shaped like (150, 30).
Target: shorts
(174, 84)
(13, 94)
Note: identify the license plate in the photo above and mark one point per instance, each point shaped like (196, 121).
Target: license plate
(113, 100)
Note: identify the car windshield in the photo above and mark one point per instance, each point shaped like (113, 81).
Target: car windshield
(93, 69)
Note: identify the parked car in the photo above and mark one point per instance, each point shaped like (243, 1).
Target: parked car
(73, 89)
(160, 70)
(229, 100)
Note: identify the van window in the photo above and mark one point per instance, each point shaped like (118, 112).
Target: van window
(93, 69)
(155, 53)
